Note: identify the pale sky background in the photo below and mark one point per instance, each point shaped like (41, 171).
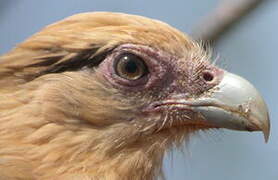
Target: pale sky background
(249, 49)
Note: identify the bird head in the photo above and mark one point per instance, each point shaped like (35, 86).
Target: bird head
(126, 82)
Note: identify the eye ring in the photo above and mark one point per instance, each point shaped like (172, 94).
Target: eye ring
(130, 66)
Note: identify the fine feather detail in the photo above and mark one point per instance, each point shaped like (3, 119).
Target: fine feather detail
(59, 120)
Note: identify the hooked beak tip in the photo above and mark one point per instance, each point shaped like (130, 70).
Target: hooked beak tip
(236, 105)
(266, 130)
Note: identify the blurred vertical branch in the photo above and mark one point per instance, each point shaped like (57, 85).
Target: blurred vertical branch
(225, 16)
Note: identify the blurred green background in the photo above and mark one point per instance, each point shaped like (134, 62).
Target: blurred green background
(249, 49)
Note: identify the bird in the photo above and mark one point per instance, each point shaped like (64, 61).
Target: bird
(104, 95)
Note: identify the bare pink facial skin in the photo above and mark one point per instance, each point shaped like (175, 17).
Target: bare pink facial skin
(168, 75)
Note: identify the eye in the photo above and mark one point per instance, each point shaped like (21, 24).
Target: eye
(207, 76)
(130, 66)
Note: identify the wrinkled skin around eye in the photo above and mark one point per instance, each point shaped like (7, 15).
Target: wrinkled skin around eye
(169, 77)
(166, 73)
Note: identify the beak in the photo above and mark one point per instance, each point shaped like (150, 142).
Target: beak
(234, 104)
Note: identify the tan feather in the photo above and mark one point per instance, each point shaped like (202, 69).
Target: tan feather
(54, 124)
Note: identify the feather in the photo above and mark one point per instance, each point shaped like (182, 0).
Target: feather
(65, 112)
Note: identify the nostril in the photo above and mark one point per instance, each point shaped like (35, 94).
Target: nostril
(207, 76)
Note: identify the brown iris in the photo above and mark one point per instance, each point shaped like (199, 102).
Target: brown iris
(130, 67)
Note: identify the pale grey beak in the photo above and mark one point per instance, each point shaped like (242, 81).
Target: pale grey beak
(234, 104)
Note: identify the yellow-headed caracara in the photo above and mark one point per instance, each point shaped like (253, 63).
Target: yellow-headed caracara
(102, 96)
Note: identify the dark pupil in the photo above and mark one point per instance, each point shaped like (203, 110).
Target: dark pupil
(131, 66)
